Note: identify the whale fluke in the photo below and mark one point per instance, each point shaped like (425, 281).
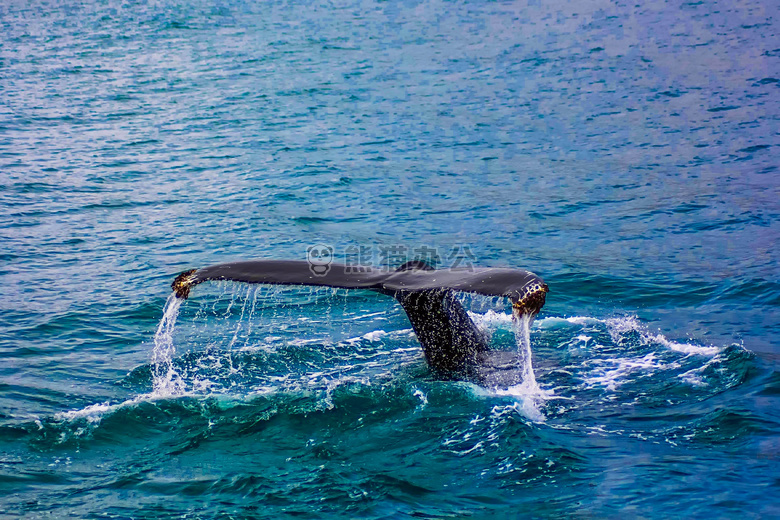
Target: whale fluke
(450, 340)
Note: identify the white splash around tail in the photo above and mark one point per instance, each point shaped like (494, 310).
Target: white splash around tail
(531, 397)
(522, 326)
(166, 380)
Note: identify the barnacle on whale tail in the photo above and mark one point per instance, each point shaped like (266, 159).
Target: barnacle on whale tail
(532, 300)
(183, 283)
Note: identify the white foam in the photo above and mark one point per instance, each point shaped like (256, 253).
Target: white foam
(552, 321)
(94, 413)
(364, 316)
(619, 327)
(685, 348)
(695, 377)
(529, 399)
(491, 320)
(612, 373)
(422, 397)
(375, 335)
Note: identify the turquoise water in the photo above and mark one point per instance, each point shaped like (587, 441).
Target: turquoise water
(627, 153)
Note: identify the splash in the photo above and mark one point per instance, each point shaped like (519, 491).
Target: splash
(522, 327)
(612, 373)
(531, 396)
(166, 381)
(490, 320)
(620, 329)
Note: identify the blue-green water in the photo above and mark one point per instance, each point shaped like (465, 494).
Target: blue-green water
(625, 152)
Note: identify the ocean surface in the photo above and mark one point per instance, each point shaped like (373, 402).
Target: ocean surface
(626, 152)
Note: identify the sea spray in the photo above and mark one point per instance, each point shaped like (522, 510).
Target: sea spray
(531, 396)
(522, 328)
(166, 380)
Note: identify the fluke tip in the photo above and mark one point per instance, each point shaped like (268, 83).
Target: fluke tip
(182, 284)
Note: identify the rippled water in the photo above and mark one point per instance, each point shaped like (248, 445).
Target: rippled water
(625, 152)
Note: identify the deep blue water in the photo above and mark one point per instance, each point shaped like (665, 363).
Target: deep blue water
(625, 152)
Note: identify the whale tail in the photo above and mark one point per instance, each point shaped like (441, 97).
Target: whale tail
(450, 340)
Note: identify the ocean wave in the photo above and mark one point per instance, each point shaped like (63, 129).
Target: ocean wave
(619, 328)
(620, 352)
(613, 372)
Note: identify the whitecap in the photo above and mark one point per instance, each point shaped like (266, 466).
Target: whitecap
(619, 327)
(612, 373)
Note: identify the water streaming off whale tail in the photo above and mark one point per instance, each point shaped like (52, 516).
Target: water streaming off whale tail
(245, 340)
(531, 396)
(167, 381)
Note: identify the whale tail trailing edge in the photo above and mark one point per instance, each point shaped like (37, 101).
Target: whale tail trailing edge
(450, 340)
